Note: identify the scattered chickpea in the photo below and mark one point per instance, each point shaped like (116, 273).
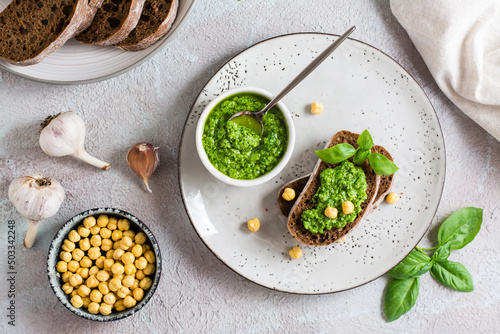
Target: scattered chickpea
(62, 266)
(316, 108)
(93, 308)
(77, 301)
(105, 309)
(341, 240)
(124, 224)
(288, 194)
(74, 236)
(89, 222)
(102, 221)
(253, 224)
(347, 207)
(65, 256)
(331, 212)
(295, 253)
(392, 198)
(68, 245)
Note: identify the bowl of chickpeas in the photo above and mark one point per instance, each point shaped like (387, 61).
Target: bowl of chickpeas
(104, 264)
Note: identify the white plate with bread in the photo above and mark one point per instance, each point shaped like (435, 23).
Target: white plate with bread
(360, 88)
(82, 41)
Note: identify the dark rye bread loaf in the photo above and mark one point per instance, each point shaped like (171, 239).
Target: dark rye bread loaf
(305, 202)
(386, 182)
(112, 22)
(32, 29)
(156, 20)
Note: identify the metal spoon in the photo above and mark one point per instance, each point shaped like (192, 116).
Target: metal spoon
(257, 116)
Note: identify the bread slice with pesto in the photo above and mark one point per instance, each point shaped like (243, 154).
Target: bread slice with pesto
(305, 199)
(386, 182)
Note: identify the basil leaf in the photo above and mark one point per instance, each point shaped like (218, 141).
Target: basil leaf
(461, 227)
(400, 297)
(365, 140)
(381, 164)
(414, 265)
(360, 156)
(337, 153)
(453, 275)
(442, 253)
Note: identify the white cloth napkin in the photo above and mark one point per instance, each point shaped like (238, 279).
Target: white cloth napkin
(459, 41)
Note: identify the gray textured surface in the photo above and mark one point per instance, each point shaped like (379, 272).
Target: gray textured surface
(197, 292)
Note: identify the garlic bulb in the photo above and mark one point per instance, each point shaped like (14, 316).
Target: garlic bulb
(143, 158)
(64, 134)
(36, 198)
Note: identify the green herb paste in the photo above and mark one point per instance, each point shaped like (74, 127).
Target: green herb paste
(238, 151)
(345, 182)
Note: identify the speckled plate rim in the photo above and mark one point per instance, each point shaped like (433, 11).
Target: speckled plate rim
(53, 256)
(310, 33)
(117, 73)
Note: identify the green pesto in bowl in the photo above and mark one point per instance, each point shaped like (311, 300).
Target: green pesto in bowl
(237, 151)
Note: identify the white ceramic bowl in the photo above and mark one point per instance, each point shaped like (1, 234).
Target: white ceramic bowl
(236, 182)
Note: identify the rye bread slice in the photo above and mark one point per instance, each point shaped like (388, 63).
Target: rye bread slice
(156, 20)
(112, 22)
(386, 182)
(31, 30)
(305, 202)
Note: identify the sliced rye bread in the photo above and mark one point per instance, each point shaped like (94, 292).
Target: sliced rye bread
(386, 182)
(305, 202)
(112, 22)
(156, 20)
(31, 30)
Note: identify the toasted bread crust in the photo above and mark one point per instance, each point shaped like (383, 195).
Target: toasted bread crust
(304, 200)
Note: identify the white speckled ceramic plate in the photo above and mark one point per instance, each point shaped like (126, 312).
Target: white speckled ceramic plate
(77, 63)
(360, 88)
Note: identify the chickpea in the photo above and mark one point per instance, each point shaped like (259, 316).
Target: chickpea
(96, 296)
(78, 254)
(140, 274)
(89, 222)
(95, 230)
(140, 238)
(109, 298)
(331, 212)
(135, 285)
(137, 250)
(129, 302)
(103, 287)
(122, 292)
(117, 269)
(128, 281)
(66, 275)
(102, 221)
(129, 233)
(146, 283)
(102, 275)
(74, 293)
(392, 198)
(65, 256)
(84, 272)
(118, 276)
(86, 302)
(105, 233)
(105, 309)
(116, 244)
(128, 258)
(84, 290)
(109, 254)
(86, 262)
(106, 244)
(138, 294)
(62, 267)
(108, 263)
(115, 284)
(145, 248)
(141, 263)
(150, 256)
(74, 236)
(347, 207)
(93, 308)
(119, 305)
(92, 282)
(288, 194)
(124, 224)
(150, 269)
(126, 243)
(94, 270)
(94, 253)
(84, 244)
(129, 269)
(76, 301)
(83, 231)
(316, 108)
(99, 262)
(67, 288)
(73, 266)
(295, 253)
(75, 280)
(253, 225)
(96, 240)
(112, 224)
(68, 245)
(117, 255)
(116, 235)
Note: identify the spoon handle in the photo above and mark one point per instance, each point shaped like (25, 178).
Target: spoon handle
(306, 71)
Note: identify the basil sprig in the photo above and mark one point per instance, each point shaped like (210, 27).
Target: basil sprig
(341, 152)
(454, 233)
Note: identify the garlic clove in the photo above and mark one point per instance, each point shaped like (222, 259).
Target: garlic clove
(143, 158)
(64, 134)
